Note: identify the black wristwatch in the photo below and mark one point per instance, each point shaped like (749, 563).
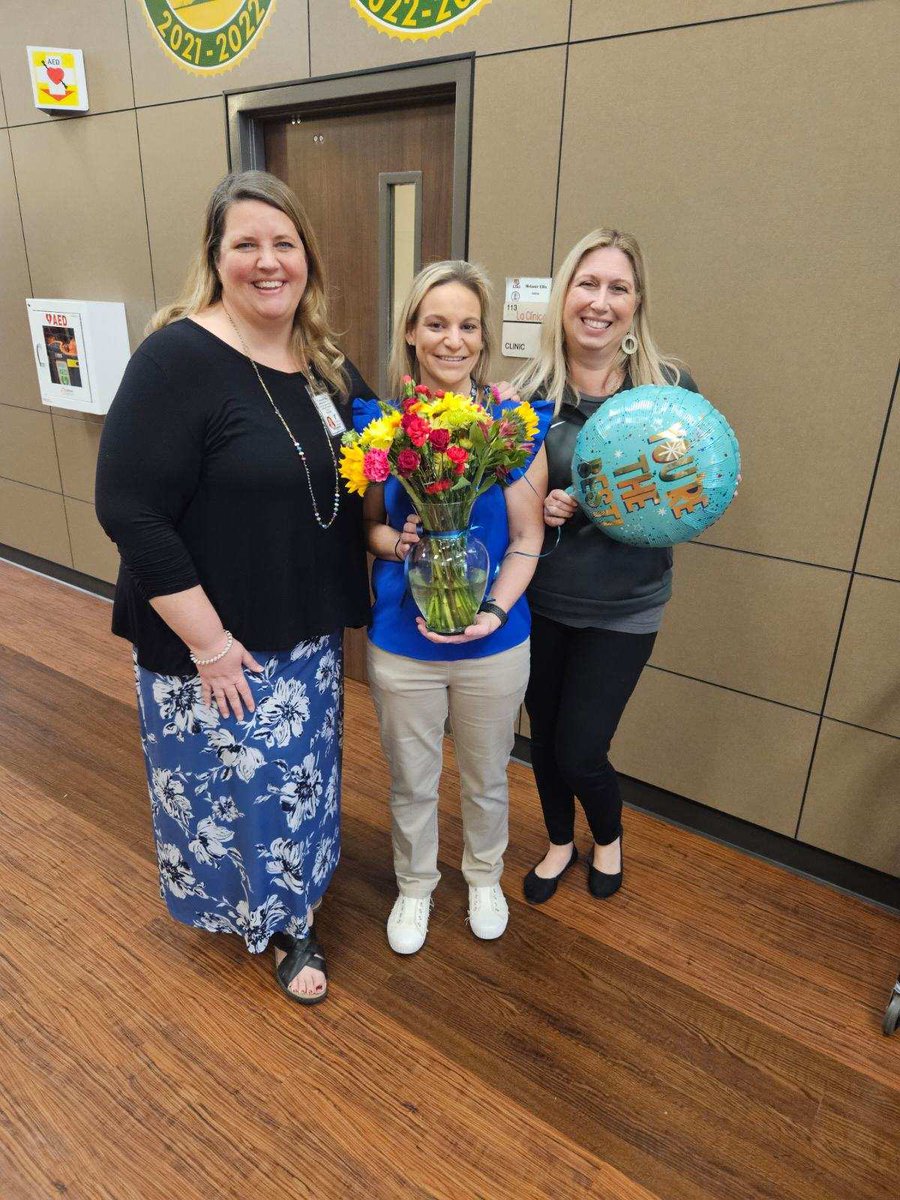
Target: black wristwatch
(489, 606)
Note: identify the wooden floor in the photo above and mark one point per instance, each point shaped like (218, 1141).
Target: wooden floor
(712, 1032)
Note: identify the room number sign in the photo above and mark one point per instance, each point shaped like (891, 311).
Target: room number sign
(207, 36)
(417, 18)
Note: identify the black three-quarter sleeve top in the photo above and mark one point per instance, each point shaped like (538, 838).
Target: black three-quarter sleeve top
(199, 483)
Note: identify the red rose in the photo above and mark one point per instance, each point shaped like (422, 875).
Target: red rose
(457, 454)
(423, 390)
(440, 486)
(439, 438)
(407, 462)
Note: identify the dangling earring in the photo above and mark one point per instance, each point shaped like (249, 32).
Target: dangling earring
(629, 343)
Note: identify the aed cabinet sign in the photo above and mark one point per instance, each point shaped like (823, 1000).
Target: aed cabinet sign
(57, 79)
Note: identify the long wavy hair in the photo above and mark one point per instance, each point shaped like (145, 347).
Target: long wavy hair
(403, 360)
(548, 373)
(312, 339)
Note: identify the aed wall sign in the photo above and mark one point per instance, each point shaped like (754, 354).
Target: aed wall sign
(417, 18)
(208, 36)
(57, 79)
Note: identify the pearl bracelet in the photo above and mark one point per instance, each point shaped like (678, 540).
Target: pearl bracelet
(205, 662)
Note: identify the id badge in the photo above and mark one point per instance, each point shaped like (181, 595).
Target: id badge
(331, 418)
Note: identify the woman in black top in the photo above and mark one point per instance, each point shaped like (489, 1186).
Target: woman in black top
(242, 561)
(596, 604)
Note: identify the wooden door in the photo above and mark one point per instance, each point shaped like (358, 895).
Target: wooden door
(333, 160)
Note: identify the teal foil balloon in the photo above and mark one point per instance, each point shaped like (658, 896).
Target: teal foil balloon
(655, 465)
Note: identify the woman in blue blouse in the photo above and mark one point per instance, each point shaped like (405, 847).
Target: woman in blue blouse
(443, 338)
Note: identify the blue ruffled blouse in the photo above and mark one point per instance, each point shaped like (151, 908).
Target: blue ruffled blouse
(393, 625)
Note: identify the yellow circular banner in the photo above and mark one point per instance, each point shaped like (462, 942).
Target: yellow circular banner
(207, 36)
(417, 18)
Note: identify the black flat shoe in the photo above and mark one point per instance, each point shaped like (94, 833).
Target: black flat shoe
(537, 889)
(600, 884)
(299, 953)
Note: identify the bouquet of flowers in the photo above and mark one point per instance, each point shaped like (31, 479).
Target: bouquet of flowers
(445, 450)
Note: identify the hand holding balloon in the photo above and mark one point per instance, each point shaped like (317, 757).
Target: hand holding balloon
(559, 506)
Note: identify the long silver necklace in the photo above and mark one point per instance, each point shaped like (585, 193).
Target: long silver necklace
(309, 383)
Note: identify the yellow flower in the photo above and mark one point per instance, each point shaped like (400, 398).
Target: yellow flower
(379, 434)
(352, 457)
(528, 417)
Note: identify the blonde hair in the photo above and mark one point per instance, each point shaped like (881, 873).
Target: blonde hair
(312, 340)
(403, 359)
(548, 373)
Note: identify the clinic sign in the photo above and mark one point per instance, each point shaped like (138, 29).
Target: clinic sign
(523, 313)
(417, 19)
(207, 36)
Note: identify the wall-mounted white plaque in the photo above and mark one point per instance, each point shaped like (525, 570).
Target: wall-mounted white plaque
(81, 350)
(523, 312)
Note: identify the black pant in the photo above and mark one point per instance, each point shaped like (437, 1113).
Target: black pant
(580, 682)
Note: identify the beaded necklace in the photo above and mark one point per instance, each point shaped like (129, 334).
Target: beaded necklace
(309, 383)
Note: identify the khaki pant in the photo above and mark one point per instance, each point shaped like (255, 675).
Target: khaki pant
(413, 699)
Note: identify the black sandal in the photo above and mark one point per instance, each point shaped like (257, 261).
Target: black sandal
(299, 953)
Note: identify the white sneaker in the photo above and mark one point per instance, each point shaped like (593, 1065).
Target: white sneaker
(488, 911)
(407, 925)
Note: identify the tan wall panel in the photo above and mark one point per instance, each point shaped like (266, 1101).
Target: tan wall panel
(279, 55)
(733, 621)
(34, 520)
(93, 553)
(851, 807)
(865, 686)
(27, 452)
(880, 552)
(18, 380)
(515, 150)
(717, 747)
(97, 28)
(745, 248)
(93, 246)
(612, 17)
(176, 198)
(342, 41)
(2, 102)
(77, 441)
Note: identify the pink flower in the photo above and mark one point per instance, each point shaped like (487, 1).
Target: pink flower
(439, 438)
(376, 466)
(407, 462)
(508, 429)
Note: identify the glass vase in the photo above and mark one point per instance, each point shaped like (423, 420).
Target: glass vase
(448, 568)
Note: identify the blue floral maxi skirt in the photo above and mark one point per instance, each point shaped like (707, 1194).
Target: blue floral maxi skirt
(246, 814)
